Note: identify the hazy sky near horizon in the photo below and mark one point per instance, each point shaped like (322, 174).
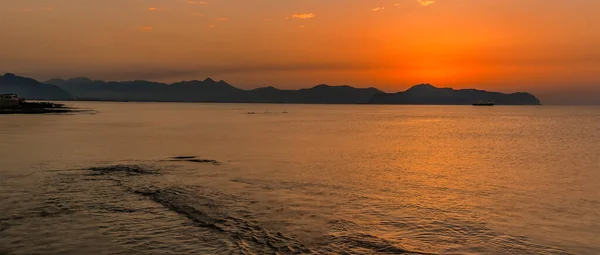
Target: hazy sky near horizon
(549, 47)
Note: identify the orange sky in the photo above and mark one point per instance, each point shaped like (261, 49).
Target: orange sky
(549, 47)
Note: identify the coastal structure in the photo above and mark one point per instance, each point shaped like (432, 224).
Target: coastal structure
(12, 103)
(9, 101)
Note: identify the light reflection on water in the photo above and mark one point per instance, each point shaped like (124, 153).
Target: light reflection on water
(365, 179)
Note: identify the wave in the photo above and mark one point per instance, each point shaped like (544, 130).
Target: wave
(244, 237)
(247, 237)
(206, 209)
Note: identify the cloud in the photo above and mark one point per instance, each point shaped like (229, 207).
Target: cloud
(223, 19)
(303, 15)
(146, 28)
(426, 2)
(196, 2)
(376, 9)
(152, 9)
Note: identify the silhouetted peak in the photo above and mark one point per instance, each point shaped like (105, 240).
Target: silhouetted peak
(9, 77)
(268, 88)
(12, 78)
(321, 86)
(80, 79)
(222, 82)
(422, 87)
(209, 80)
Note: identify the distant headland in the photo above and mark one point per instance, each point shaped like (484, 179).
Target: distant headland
(209, 90)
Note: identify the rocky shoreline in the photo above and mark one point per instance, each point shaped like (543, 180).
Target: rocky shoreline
(36, 108)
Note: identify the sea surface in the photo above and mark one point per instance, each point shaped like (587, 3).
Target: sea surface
(178, 178)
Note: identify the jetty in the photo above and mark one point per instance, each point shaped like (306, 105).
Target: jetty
(13, 104)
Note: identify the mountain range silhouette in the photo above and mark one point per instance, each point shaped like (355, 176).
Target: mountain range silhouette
(210, 90)
(31, 89)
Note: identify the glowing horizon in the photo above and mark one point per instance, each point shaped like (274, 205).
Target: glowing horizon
(545, 47)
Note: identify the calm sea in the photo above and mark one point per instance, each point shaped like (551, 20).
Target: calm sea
(320, 179)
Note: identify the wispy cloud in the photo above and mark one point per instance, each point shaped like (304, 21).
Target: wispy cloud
(303, 15)
(152, 9)
(426, 2)
(196, 2)
(376, 9)
(223, 19)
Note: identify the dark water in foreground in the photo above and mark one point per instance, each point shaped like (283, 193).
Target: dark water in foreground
(318, 179)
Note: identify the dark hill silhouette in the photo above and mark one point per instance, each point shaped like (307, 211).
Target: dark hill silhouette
(30, 88)
(321, 94)
(86, 89)
(428, 94)
(210, 90)
(205, 91)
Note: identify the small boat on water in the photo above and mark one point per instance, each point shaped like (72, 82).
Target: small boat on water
(483, 103)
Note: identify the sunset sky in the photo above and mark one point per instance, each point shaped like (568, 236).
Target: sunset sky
(548, 47)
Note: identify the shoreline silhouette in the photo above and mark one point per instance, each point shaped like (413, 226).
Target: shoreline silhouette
(211, 91)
